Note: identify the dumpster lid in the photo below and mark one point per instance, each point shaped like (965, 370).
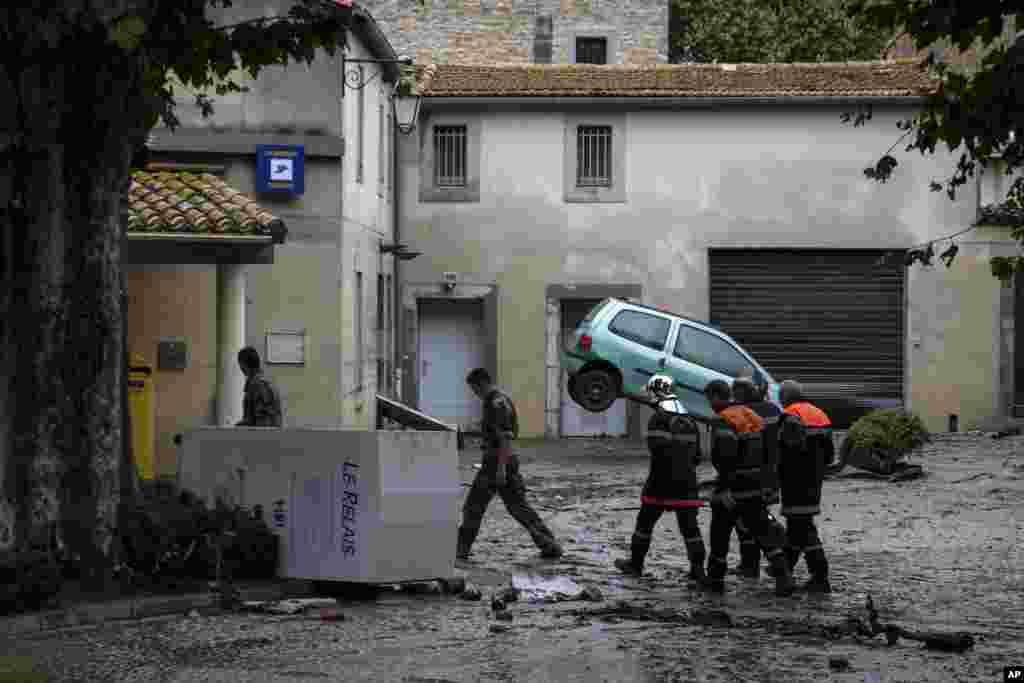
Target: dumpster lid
(409, 417)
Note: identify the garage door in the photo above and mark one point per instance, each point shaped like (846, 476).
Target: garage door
(451, 343)
(831, 319)
(575, 420)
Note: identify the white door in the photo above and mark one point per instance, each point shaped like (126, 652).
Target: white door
(575, 420)
(451, 343)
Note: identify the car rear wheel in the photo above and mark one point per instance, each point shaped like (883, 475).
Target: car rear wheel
(596, 390)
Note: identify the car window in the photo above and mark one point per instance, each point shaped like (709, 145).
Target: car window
(642, 328)
(710, 351)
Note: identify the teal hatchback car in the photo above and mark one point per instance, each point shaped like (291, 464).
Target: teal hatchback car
(620, 345)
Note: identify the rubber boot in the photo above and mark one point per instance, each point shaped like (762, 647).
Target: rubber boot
(714, 581)
(695, 553)
(466, 538)
(817, 565)
(750, 559)
(638, 548)
(783, 576)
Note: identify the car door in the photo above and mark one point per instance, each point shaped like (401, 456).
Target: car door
(640, 339)
(697, 357)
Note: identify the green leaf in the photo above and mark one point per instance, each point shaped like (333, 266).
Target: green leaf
(127, 32)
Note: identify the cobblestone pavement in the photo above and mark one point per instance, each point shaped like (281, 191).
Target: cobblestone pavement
(939, 553)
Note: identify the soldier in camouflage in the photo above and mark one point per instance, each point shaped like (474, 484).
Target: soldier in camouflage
(499, 473)
(261, 405)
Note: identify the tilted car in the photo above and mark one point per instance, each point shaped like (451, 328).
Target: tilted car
(620, 345)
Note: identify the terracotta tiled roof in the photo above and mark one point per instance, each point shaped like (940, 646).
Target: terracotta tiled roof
(182, 202)
(1001, 214)
(901, 78)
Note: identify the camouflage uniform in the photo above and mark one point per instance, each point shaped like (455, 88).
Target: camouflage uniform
(261, 406)
(499, 426)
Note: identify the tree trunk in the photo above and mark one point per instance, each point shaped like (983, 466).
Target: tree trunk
(61, 347)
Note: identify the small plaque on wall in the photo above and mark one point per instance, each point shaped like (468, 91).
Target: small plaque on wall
(172, 354)
(286, 347)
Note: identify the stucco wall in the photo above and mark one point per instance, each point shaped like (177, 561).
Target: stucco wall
(506, 31)
(741, 176)
(176, 302)
(334, 228)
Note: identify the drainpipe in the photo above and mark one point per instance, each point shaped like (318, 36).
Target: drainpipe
(341, 237)
(398, 318)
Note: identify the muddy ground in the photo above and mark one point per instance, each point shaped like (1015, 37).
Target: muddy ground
(940, 553)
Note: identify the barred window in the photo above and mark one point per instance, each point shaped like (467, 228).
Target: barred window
(450, 156)
(591, 51)
(593, 156)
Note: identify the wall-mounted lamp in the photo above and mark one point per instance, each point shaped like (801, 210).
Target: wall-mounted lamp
(401, 251)
(405, 103)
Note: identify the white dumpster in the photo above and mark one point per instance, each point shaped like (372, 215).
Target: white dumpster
(347, 505)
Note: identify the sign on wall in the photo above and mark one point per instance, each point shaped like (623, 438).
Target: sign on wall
(286, 347)
(280, 168)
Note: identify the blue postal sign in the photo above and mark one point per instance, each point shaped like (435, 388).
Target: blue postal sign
(280, 168)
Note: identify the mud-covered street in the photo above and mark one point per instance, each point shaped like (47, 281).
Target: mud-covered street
(940, 553)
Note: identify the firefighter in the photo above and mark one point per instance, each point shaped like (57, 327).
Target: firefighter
(737, 455)
(499, 472)
(805, 449)
(745, 392)
(674, 443)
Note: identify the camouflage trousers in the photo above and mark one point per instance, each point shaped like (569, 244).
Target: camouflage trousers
(513, 494)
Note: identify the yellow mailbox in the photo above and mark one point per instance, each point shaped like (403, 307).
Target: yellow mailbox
(143, 414)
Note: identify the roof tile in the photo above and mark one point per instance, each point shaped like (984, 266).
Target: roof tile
(184, 202)
(897, 78)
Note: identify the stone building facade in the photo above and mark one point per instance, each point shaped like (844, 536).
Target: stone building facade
(524, 31)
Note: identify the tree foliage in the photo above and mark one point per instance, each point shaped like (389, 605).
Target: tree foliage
(977, 109)
(738, 31)
(82, 83)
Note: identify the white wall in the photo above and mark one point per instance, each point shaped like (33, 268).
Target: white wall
(738, 176)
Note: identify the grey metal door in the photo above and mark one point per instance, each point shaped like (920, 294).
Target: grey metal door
(832, 319)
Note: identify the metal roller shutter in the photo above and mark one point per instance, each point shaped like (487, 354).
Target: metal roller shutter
(831, 319)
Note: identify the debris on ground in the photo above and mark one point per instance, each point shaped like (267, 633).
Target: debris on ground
(331, 614)
(503, 616)
(454, 586)
(424, 588)
(499, 628)
(471, 593)
(853, 626)
(288, 606)
(838, 663)
(1012, 431)
(553, 589)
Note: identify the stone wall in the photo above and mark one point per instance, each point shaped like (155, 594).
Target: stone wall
(522, 31)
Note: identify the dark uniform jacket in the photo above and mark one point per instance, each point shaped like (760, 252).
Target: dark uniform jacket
(674, 443)
(806, 446)
(499, 425)
(770, 413)
(737, 452)
(261, 405)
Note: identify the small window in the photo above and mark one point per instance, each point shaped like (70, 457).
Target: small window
(593, 156)
(450, 156)
(648, 330)
(591, 51)
(710, 351)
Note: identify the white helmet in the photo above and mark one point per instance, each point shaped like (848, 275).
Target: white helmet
(660, 386)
